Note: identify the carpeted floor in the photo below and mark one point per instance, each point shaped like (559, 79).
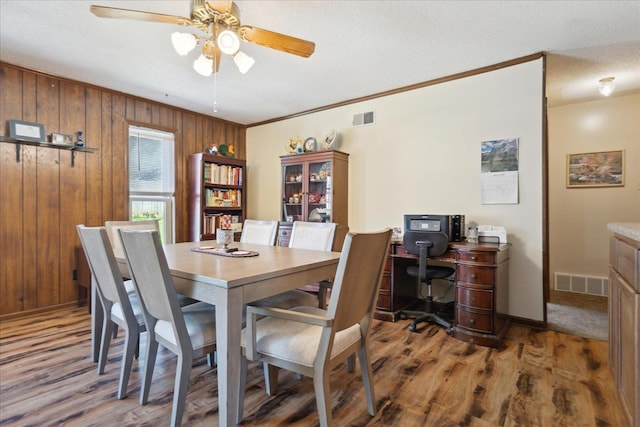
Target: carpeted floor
(578, 321)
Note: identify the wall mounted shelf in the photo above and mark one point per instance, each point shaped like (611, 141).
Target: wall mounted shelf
(74, 149)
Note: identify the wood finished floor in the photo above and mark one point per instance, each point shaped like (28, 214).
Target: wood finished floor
(421, 379)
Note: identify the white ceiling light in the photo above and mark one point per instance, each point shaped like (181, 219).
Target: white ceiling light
(183, 43)
(203, 65)
(228, 42)
(243, 61)
(606, 86)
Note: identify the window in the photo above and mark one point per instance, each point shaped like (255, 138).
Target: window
(152, 178)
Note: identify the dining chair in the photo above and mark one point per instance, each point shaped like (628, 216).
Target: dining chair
(305, 235)
(112, 230)
(188, 332)
(259, 232)
(312, 341)
(120, 307)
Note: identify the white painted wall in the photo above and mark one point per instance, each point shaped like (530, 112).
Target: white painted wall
(423, 156)
(578, 236)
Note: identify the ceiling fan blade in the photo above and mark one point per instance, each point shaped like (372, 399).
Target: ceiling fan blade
(114, 12)
(276, 41)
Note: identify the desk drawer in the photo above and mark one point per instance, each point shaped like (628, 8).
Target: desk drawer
(474, 320)
(384, 300)
(475, 274)
(476, 298)
(483, 257)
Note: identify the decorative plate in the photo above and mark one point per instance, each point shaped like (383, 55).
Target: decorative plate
(292, 144)
(310, 144)
(330, 139)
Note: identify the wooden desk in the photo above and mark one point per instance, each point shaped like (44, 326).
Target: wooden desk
(481, 289)
(228, 283)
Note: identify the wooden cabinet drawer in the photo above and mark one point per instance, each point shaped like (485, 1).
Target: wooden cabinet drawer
(477, 298)
(475, 274)
(628, 264)
(473, 320)
(387, 265)
(384, 300)
(385, 283)
(483, 257)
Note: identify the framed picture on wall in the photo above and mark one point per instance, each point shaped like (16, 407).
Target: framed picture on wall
(597, 169)
(26, 131)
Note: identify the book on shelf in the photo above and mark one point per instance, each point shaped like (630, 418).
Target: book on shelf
(216, 197)
(212, 221)
(222, 174)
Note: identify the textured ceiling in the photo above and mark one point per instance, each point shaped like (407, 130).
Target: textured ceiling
(362, 48)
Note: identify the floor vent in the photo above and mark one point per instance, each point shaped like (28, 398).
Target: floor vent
(581, 284)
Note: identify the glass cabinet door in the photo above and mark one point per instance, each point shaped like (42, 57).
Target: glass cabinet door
(293, 193)
(318, 200)
(315, 187)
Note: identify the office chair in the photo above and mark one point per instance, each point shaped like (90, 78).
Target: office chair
(427, 244)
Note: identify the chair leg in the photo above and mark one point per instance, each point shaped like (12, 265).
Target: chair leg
(137, 352)
(351, 363)
(107, 331)
(243, 386)
(270, 378)
(131, 343)
(150, 361)
(212, 359)
(367, 379)
(183, 372)
(429, 315)
(323, 398)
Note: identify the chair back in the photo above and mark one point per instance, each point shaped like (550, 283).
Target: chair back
(259, 232)
(104, 268)
(152, 277)
(114, 226)
(312, 235)
(439, 242)
(358, 278)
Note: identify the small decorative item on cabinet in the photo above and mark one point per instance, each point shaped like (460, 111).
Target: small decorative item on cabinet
(309, 144)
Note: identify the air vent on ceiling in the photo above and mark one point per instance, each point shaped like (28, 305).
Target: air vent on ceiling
(364, 119)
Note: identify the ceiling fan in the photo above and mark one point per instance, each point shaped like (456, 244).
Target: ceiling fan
(220, 20)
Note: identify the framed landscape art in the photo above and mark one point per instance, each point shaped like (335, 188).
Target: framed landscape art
(597, 169)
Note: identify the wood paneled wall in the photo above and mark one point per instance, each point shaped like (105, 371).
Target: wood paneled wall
(42, 197)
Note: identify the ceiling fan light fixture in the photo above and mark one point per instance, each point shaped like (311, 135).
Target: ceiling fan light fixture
(243, 61)
(203, 66)
(228, 42)
(606, 86)
(183, 43)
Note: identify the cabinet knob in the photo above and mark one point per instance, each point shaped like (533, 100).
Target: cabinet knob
(284, 233)
(473, 276)
(472, 321)
(473, 258)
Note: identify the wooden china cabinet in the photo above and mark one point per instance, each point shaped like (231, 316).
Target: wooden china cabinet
(315, 187)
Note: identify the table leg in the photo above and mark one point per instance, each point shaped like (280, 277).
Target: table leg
(228, 327)
(97, 315)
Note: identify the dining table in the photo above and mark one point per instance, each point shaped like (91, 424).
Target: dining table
(229, 281)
